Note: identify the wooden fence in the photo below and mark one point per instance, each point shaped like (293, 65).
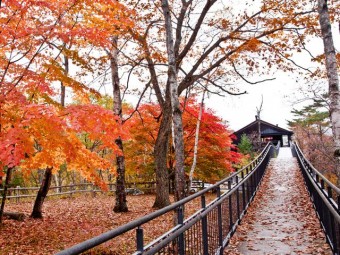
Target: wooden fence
(31, 192)
(135, 188)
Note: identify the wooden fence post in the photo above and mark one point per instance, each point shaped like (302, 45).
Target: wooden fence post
(93, 190)
(17, 193)
(71, 190)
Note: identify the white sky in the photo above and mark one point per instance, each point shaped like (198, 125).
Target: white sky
(279, 95)
(241, 110)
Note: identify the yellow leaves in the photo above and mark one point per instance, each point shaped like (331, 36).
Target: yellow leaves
(77, 59)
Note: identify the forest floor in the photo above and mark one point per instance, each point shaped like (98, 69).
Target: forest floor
(281, 219)
(68, 221)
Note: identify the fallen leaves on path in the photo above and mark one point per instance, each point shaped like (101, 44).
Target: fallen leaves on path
(281, 219)
(73, 220)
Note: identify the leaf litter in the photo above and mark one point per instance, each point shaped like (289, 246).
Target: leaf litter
(70, 221)
(281, 219)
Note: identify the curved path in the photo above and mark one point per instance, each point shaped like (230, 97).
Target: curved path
(281, 219)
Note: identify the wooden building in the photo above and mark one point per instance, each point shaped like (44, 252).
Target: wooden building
(269, 132)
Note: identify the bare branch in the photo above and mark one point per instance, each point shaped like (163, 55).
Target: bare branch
(138, 103)
(180, 20)
(286, 58)
(128, 79)
(259, 109)
(59, 18)
(192, 39)
(220, 87)
(243, 78)
(151, 66)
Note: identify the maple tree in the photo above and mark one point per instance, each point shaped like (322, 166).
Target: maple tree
(37, 132)
(105, 22)
(41, 41)
(139, 148)
(215, 157)
(120, 205)
(177, 122)
(216, 152)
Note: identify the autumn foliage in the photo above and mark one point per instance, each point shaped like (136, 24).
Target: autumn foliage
(215, 149)
(48, 45)
(36, 131)
(55, 57)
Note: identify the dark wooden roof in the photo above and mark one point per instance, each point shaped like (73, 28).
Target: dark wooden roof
(267, 129)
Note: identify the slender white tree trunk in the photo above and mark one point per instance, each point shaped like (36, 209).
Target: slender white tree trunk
(194, 161)
(176, 111)
(333, 78)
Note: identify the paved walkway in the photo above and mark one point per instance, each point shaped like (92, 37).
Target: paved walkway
(281, 219)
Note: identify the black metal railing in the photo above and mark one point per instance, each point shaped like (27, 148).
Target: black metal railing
(325, 197)
(209, 229)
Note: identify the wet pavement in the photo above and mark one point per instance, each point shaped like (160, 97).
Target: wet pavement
(281, 219)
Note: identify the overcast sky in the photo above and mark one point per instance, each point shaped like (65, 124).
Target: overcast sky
(279, 95)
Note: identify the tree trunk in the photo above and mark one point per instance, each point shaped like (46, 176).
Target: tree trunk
(160, 154)
(175, 105)
(62, 94)
(332, 74)
(44, 187)
(8, 179)
(193, 166)
(121, 205)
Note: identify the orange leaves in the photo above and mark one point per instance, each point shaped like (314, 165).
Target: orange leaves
(102, 125)
(252, 45)
(225, 23)
(101, 20)
(36, 132)
(215, 158)
(36, 136)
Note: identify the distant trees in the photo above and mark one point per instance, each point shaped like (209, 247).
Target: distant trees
(312, 131)
(245, 145)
